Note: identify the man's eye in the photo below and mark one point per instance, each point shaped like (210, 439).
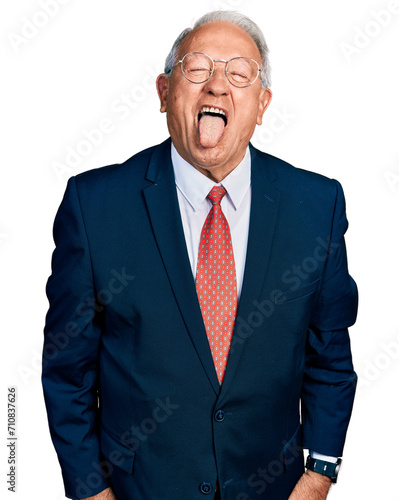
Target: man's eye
(198, 70)
(239, 76)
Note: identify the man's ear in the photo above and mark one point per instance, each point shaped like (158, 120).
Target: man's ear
(163, 88)
(264, 100)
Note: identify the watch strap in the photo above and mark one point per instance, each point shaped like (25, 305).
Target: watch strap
(329, 469)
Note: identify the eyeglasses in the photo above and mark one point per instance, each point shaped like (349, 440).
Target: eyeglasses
(240, 71)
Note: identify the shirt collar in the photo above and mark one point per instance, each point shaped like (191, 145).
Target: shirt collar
(195, 186)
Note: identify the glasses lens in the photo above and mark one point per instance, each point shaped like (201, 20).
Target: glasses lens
(242, 71)
(197, 67)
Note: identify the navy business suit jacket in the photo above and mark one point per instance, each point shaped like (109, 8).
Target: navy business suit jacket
(131, 391)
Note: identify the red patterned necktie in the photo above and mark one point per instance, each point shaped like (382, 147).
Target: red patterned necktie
(216, 282)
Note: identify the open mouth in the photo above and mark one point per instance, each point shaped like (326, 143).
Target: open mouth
(211, 126)
(216, 112)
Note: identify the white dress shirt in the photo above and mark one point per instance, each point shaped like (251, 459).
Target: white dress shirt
(192, 191)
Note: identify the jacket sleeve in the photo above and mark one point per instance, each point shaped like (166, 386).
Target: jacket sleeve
(70, 354)
(329, 381)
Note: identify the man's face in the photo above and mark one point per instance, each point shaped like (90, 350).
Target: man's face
(212, 148)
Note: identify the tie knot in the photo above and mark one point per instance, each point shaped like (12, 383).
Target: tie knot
(216, 194)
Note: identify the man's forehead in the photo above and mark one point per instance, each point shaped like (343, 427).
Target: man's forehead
(220, 35)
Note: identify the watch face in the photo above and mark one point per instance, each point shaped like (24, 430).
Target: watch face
(336, 471)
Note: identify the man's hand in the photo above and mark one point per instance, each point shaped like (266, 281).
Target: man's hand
(311, 486)
(106, 494)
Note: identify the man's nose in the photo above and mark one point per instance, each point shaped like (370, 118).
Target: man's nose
(218, 84)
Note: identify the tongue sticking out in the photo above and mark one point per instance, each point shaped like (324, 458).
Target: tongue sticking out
(211, 129)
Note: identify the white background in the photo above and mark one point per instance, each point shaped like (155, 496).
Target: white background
(335, 111)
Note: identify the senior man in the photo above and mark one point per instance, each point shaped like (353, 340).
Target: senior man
(197, 337)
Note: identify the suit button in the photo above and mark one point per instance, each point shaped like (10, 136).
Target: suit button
(219, 416)
(206, 488)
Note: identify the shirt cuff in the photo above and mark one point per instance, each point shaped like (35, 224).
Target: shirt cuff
(319, 456)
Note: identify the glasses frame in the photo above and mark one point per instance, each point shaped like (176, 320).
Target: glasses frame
(213, 68)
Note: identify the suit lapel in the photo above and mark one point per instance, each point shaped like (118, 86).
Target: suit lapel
(164, 213)
(264, 208)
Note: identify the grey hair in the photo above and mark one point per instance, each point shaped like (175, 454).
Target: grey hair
(238, 19)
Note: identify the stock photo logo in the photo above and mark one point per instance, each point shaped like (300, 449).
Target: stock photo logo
(382, 361)
(86, 310)
(277, 123)
(363, 35)
(90, 138)
(392, 179)
(120, 450)
(31, 26)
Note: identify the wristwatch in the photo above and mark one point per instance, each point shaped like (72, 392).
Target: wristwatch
(329, 469)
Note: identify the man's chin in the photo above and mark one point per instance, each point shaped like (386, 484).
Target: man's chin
(212, 156)
(216, 163)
